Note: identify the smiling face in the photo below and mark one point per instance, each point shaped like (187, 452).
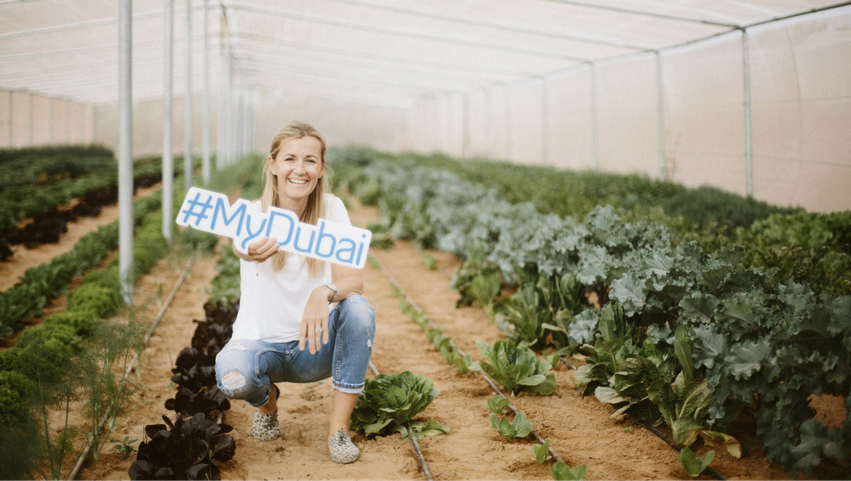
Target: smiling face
(297, 167)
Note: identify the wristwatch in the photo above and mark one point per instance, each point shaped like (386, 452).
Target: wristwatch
(334, 290)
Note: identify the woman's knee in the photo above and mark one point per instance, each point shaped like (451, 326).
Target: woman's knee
(234, 374)
(356, 313)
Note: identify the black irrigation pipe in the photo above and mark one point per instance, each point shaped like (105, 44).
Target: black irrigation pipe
(715, 474)
(410, 435)
(132, 364)
(432, 325)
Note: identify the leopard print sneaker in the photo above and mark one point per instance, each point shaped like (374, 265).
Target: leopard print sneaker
(341, 448)
(266, 427)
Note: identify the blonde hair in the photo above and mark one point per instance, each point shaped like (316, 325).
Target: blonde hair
(315, 209)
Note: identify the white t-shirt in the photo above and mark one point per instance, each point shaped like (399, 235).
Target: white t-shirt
(271, 303)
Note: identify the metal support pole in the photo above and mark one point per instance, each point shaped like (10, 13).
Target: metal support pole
(67, 122)
(221, 115)
(240, 120)
(465, 118)
(249, 146)
(205, 119)
(746, 68)
(660, 115)
(545, 125)
(593, 116)
(50, 119)
(32, 121)
(9, 119)
(83, 119)
(168, 124)
(187, 102)
(508, 121)
(125, 149)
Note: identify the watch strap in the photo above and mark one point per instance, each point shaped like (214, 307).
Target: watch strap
(334, 290)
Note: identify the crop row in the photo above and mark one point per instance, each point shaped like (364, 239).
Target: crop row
(808, 247)
(671, 333)
(71, 355)
(45, 204)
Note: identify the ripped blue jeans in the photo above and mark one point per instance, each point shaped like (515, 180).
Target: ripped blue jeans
(345, 359)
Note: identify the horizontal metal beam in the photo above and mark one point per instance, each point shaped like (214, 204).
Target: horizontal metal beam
(496, 26)
(377, 57)
(85, 24)
(262, 72)
(404, 33)
(336, 66)
(644, 14)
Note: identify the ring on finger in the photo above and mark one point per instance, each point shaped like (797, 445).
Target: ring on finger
(318, 329)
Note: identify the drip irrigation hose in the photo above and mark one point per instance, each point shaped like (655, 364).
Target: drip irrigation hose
(715, 474)
(132, 364)
(410, 435)
(432, 325)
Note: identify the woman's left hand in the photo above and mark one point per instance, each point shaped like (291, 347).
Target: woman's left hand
(314, 321)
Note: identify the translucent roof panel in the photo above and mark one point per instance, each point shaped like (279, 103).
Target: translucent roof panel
(382, 52)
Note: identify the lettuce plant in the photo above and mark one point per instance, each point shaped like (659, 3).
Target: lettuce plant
(389, 401)
(183, 450)
(516, 368)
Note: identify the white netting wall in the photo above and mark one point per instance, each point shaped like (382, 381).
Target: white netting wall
(566, 83)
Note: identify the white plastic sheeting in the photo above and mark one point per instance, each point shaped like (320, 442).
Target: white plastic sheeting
(573, 84)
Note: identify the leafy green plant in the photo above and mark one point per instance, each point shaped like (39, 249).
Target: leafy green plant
(516, 368)
(429, 261)
(124, 447)
(497, 404)
(560, 471)
(540, 313)
(693, 464)
(520, 427)
(389, 401)
(542, 452)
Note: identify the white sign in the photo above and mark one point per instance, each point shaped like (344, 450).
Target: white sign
(210, 211)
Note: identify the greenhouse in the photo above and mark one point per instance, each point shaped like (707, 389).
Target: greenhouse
(564, 229)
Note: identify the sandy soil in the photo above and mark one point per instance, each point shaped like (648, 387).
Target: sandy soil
(580, 430)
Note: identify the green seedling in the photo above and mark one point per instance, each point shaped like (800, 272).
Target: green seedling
(124, 447)
(429, 261)
(519, 428)
(542, 452)
(560, 471)
(497, 404)
(693, 464)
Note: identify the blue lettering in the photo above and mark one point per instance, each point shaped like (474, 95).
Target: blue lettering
(309, 246)
(252, 235)
(360, 250)
(323, 235)
(220, 206)
(289, 233)
(350, 250)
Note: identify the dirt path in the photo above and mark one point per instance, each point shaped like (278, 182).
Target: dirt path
(580, 430)
(26, 258)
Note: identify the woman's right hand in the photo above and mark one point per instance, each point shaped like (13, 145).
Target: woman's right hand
(258, 251)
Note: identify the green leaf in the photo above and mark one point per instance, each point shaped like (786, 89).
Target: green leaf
(541, 452)
(506, 430)
(608, 395)
(562, 472)
(746, 358)
(698, 307)
(522, 426)
(497, 404)
(693, 464)
(423, 429)
(494, 421)
(629, 291)
(682, 349)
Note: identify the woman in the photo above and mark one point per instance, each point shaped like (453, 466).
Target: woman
(289, 303)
